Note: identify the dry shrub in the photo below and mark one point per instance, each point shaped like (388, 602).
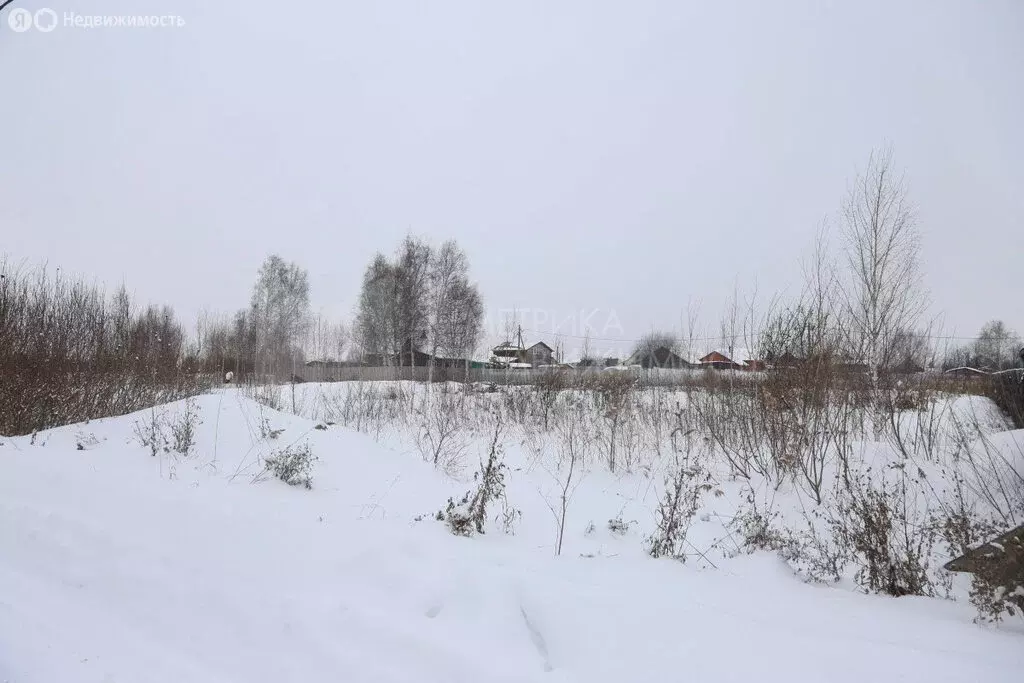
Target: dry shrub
(293, 465)
(614, 391)
(469, 514)
(151, 432)
(69, 353)
(439, 433)
(685, 484)
(183, 429)
(889, 540)
(1007, 390)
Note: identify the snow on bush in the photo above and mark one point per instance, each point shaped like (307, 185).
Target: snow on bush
(293, 465)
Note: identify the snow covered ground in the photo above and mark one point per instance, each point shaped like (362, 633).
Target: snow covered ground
(116, 565)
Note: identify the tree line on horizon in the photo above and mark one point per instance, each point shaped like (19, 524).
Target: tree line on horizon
(867, 304)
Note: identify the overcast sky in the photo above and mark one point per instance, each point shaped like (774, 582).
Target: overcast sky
(625, 156)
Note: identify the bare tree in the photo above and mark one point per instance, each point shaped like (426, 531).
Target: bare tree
(909, 349)
(822, 333)
(883, 245)
(456, 312)
(996, 346)
(326, 339)
(687, 338)
(653, 349)
(376, 319)
(586, 359)
(280, 312)
(730, 324)
(423, 297)
(461, 320)
(412, 295)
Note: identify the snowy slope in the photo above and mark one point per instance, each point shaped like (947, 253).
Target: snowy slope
(120, 566)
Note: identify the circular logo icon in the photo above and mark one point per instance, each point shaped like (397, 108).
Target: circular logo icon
(46, 19)
(19, 20)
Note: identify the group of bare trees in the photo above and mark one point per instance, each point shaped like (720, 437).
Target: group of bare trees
(69, 351)
(275, 333)
(867, 308)
(861, 307)
(65, 342)
(996, 347)
(420, 300)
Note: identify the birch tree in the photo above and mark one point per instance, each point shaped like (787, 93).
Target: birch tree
(456, 310)
(884, 295)
(279, 311)
(421, 299)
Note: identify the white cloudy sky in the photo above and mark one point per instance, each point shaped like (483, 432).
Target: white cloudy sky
(588, 154)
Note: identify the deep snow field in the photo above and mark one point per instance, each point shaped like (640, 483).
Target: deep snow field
(116, 565)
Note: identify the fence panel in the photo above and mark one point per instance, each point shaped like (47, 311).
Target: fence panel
(644, 377)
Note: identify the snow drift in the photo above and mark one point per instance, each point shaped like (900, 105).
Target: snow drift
(118, 565)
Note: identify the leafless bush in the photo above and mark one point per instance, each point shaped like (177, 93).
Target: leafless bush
(891, 541)
(1007, 390)
(685, 484)
(913, 417)
(293, 465)
(183, 428)
(753, 434)
(962, 528)
(469, 514)
(518, 404)
(992, 473)
(573, 447)
(439, 436)
(547, 391)
(70, 353)
(151, 432)
(618, 527)
(811, 552)
(365, 406)
(268, 395)
(614, 391)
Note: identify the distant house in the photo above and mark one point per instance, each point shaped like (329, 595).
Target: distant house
(540, 354)
(736, 359)
(658, 357)
(409, 355)
(507, 354)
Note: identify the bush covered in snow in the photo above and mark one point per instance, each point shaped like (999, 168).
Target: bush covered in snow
(293, 465)
(469, 514)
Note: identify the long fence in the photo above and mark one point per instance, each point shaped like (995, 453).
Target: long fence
(569, 376)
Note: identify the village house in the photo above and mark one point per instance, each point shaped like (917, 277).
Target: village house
(658, 357)
(735, 359)
(540, 354)
(410, 355)
(508, 354)
(516, 356)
